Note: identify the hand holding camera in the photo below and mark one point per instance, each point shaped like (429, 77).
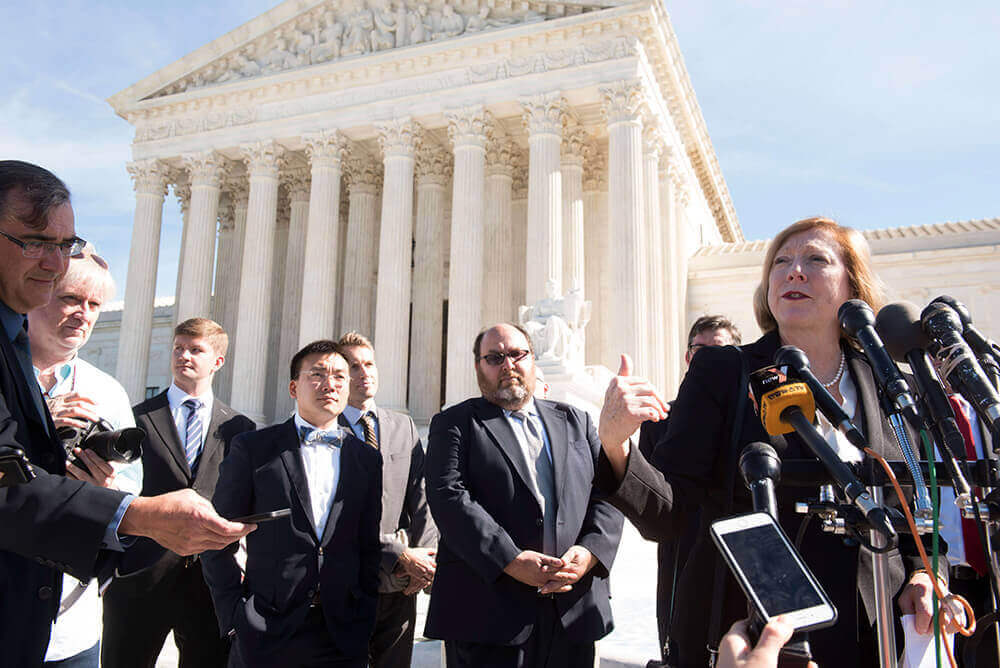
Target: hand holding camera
(93, 448)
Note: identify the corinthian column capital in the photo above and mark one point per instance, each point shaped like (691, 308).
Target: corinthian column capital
(653, 141)
(576, 144)
(544, 113)
(362, 173)
(296, 182)
(468, 126)
(434, 165)
(399, 137)
(206, 168)
(325, 147)
(149, 176)
(263, 159)
(623, 102)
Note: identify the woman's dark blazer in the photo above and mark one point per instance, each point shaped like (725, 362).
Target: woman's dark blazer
(689, 468)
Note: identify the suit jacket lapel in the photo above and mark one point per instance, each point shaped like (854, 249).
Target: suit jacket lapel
(163, 423)
(554, 422)
(350, 472)
(388, 427)
(292, 459)
(500, 431)
(28, 408)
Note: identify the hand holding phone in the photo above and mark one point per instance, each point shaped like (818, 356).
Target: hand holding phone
(771, 572)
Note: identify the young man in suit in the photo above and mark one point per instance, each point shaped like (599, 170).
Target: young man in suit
(526, 543)
(188, 433)
(311, 586)
(408, 534)
(55, 523)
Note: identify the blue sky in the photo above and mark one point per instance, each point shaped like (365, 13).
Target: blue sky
(879, 113)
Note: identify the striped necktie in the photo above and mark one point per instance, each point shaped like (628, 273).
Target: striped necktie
(192, 439)
(369, 426)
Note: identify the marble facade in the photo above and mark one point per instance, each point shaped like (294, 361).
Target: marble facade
(416, 171)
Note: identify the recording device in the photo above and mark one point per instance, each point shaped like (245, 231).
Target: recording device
(899, 326)
(108, 443)
(858, 320)
(986, 350)
(15, 469)
(771, 573)
(786, 406)
(263, 517)
(761, 470)
(959, 364)
(794, 359)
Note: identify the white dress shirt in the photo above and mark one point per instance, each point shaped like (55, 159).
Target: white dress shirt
(176, 398)
(78, 628)
(322, 467)
(844, 448)
(950, 516)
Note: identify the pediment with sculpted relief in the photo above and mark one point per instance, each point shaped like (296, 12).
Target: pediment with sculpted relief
(340, 29)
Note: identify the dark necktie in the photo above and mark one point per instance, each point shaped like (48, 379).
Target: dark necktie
(970, 534)
(192, 438)
(22, 349)
(369, 426)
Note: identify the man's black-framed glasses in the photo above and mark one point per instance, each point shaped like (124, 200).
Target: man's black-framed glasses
(35, 249)
(496, 359)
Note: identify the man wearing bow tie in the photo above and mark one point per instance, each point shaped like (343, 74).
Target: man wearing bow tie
(311, 585)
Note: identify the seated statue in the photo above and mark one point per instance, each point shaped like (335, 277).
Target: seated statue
(556, 325)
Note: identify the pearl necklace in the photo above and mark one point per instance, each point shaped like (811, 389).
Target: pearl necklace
(840, 372)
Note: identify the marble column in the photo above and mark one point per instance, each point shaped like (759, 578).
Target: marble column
(623, 104)
(519, 233)
(224, 253)
(318, 286)
(575, 142)
(275, 382)
(361, 252)
(206, 171)
(433, 172)
(498, 271)
(182, 191)
(598, 258)
(228, 281)
(399, 140)
(249, 357)
(294, 264)
(543, 117)
(679, 255)
(661, 335)
(150, 181)
(467, 129)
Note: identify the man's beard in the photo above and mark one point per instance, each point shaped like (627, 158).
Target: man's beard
(511, 397)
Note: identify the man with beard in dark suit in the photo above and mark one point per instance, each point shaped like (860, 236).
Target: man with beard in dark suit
(526, 542)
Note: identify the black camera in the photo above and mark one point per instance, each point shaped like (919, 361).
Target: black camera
(108, 443)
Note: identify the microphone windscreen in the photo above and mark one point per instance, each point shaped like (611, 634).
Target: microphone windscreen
(898, 325)
(853, 315)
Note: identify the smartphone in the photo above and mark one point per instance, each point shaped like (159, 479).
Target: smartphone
(15, 469)
(263, 517)
(771, 572)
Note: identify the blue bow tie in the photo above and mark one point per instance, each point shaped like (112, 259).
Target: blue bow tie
(332, 437)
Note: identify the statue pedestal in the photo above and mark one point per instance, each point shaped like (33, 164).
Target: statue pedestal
(581, 386)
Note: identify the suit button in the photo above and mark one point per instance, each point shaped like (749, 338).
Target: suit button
(310, 594)
(45, 592)
(539, 522)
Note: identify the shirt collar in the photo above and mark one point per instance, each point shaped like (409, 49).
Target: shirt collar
(63, 371)
(12, 321)
(528, 408)
(176, 396)
(354, 414)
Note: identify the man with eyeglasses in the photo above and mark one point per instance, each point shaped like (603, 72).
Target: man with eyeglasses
(54, 523)
(526, 542)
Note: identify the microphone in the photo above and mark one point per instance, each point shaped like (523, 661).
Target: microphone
(899, 326)
(789, 406)
(858, 320)
(984, 349)
(761, 469)
(958, 363)
(796, 360)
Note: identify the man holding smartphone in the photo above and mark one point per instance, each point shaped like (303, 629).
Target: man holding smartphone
(309, 594)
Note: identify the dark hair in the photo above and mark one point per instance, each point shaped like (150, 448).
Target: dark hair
(321, 347)
(479, 337)
(711, 323)
(40, 190)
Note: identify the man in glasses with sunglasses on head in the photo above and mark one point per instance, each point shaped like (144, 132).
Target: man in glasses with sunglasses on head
(526, 543)
(54, 523)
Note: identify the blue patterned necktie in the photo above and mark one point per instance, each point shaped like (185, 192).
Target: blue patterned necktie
(192, 439)
(311, 435)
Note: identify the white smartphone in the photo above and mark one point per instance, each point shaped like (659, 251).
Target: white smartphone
(771, 572)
